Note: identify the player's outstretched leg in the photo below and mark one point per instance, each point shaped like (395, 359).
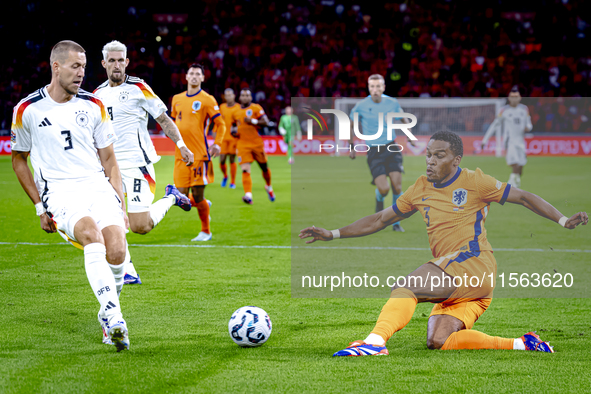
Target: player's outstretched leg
(472, 339)
(395, 316)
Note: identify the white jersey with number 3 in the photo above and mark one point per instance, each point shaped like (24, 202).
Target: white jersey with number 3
(62, 138)
(128, 106)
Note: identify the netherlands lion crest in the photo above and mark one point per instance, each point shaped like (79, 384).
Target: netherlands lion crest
(459, 197)
(196, 106)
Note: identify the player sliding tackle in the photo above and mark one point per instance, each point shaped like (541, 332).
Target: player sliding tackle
(454, 203)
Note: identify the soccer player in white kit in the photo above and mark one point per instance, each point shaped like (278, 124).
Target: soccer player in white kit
(64, 129)
(128, 101)
(514, 121)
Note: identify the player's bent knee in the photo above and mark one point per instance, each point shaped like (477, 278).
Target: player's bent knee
(436, 343)
(141, 229)
(87, 232)
(116, 256)
(383, 191)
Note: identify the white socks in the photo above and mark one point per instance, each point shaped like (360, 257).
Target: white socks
(375, 339)
(159, 209)
(101, 279)
(514, 180)
(118, 274)
(518, 344)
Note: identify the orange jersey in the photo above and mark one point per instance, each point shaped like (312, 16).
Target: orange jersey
(247, 133)
(227, 113)
(455, 211)
(192, 115)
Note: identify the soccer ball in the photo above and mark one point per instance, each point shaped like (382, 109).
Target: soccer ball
(250, 326)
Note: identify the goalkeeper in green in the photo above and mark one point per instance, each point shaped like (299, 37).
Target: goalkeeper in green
(286, 123)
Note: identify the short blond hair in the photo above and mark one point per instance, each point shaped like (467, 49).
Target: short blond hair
(62, 49)
(114, 46)
(376, 76)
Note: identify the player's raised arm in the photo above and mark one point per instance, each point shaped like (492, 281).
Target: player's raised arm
(172, 132)
(541, 207)
(362, 227)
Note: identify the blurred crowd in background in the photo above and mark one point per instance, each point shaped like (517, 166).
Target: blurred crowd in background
(314, 48)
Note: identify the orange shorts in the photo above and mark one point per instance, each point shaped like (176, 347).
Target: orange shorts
(198, 174)
(250, 153)
(229, 146)
(474, 293)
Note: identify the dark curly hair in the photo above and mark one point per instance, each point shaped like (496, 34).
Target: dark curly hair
(455, 142)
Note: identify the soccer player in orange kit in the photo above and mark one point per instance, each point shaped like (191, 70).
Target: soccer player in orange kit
(250, 144)
(229, 143)
(454, 203)
(193, 110)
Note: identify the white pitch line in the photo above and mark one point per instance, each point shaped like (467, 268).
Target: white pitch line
(305, 247)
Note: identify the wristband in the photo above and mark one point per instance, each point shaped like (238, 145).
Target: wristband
(254, 121)
(562, 221)
(40, 208)
(336, 234)
(180, 143)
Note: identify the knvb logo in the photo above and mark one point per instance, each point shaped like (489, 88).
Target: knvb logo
(343, 131)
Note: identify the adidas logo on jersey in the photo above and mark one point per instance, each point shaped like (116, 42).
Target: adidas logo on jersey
(44, 123)
(136, 199)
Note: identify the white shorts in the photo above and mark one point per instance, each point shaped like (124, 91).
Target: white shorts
(96, 199)
(516, 155)
(139, 186)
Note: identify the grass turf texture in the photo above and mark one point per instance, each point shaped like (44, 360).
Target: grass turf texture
(51, 341)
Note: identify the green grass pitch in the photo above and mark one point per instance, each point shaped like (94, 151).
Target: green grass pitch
(50, 340)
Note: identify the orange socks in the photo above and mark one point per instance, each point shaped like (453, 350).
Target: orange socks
(224, 169)
(203, 209)
(472, 339)
(267, 176)
(193, 203)
(246, 182)
(232, 173)
(396, 313)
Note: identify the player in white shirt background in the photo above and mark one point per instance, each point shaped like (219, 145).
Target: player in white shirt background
(515, 121)
(129, 100)
(64, 129)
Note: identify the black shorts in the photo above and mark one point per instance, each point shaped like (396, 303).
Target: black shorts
(383, 162)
